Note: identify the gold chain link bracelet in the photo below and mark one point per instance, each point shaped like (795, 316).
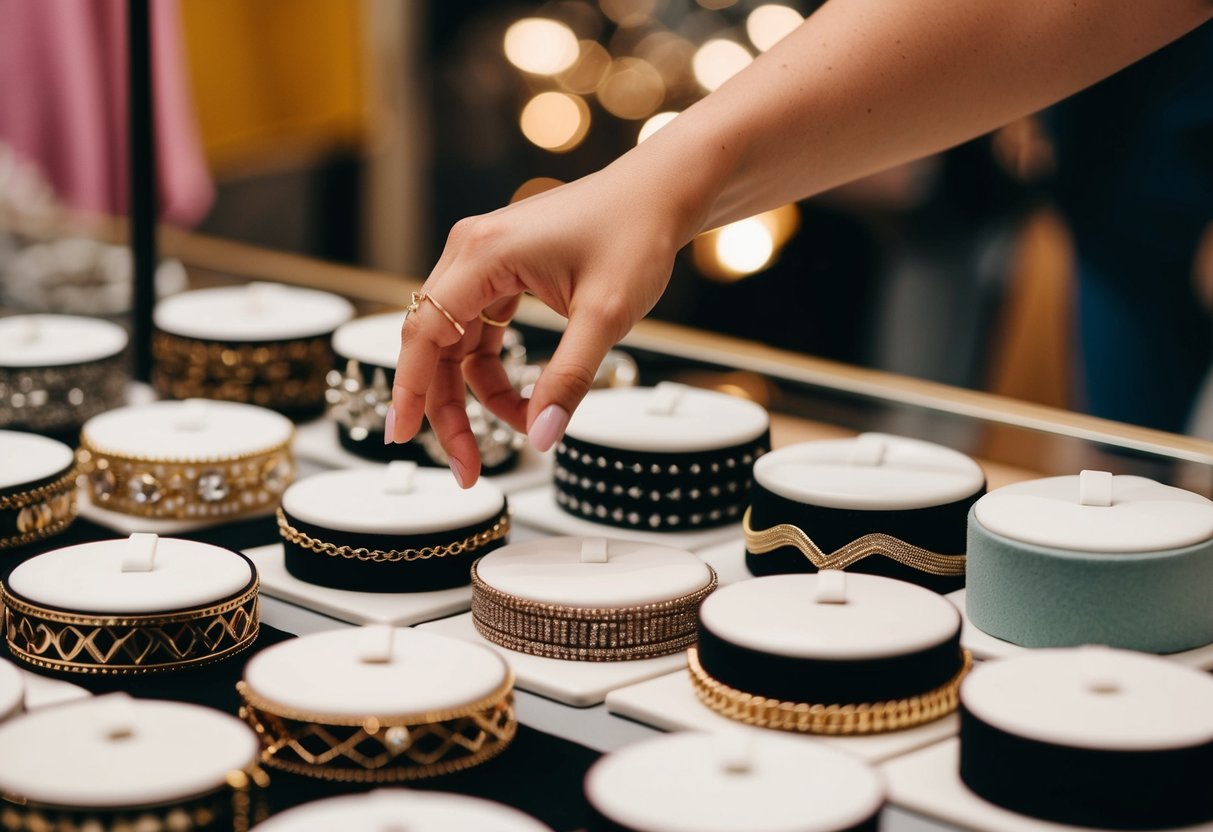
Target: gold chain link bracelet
(852, 719)
(497, 531)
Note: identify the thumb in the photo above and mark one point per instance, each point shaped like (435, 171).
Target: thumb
(567, 378)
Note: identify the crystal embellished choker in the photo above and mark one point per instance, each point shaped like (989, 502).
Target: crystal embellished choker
(200, 488)
(58, 371)
(358, 399)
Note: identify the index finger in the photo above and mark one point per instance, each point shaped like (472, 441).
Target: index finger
(428, 331)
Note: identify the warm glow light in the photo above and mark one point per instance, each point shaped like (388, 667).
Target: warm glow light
(654, 124)
(719, 60)
(555, 121)
(540, 46)
(628, 13)
(670, 54)
(632, 90)
(531, 187)
(745, 247)
(587, 72)
(769, 24)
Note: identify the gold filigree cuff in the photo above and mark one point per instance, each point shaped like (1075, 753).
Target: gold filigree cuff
(287, 376)
(805, 718)
(129, 644)
(381, 749)
(210, 488)
(38, 513)
(583, 633)
(785, 534)
(234, 807)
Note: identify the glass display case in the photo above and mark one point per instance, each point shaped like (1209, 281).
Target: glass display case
(808, 398)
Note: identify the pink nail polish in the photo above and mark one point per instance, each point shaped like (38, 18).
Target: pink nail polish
(389, 426)
(548, 426)
(457, 470)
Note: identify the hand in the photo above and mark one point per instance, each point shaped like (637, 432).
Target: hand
(596, 251)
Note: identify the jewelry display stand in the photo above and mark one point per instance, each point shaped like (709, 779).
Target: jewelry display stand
(985, 647)
(397, 608)
(580, 684)
(728, 559)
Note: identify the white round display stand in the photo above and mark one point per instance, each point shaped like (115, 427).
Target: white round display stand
(1094, 697)
(1131, 514)
(781, 615)
(373, 340)
(644, 419)
(254, 312)
(343, 673)
(114, 751)
(871, 472)
(395, 810)
(12, 690)
(57, 340)
(28, 458)
(693, 782)
(629, 574)
(110, 576)
(397, 499)
(188, 430)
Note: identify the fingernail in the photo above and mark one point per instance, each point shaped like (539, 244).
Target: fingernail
(548, 427)
(457, 470)
(389, 426)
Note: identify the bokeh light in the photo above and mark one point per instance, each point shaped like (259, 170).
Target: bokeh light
(588, 71)
(654, 124)
(628, 13)
(769, 24)
(555, 121)
(745, 247)
(717, 61)
(632, 90)
(540, 46)
(531, 187)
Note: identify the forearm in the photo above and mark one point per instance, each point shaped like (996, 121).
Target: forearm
(864, 85)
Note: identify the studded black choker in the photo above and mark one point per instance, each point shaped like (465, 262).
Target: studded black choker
(656, 491)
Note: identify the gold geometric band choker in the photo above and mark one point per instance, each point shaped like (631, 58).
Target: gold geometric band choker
(829, 719)
(915, 557)
(129, 644)
(381, 749)
(236, 806)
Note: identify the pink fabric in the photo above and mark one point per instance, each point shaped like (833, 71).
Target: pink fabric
(63, 103)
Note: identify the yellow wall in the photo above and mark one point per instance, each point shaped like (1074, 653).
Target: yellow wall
(275, 82)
